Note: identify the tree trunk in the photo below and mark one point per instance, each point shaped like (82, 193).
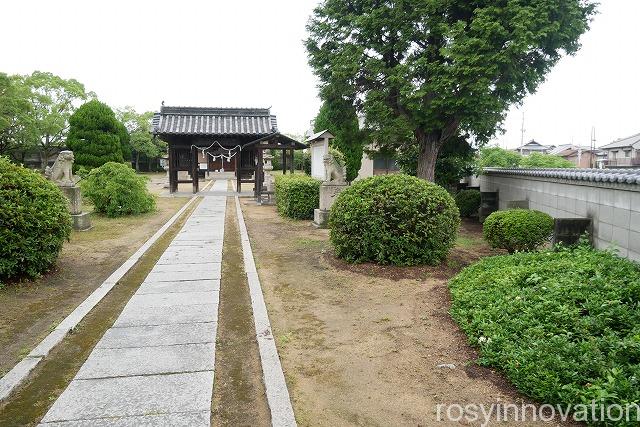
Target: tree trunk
(429, 146)
(44, 159)
(137, 161)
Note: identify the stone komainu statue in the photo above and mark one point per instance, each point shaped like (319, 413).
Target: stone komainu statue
(334, 172)
(61, 172)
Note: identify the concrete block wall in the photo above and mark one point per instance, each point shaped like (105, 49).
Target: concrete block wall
(613, 207)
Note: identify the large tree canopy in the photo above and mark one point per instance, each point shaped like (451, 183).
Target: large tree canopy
(141, 142)
(16, 114)
(433, 70)
(54, 99)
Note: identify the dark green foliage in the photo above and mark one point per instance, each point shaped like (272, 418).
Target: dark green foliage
(468, 202)
(563, 325)
(341, 121)
(34, 222)
(517, 229)
(394, 219)
(424, 72)
(301, 160)
(116, 190)
(297, 195)
(95, 135)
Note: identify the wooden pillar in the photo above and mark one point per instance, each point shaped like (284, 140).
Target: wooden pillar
(291, 166)
(194, 169)
(258, 175)
(173, 173)
(284, 162)
(238, 172)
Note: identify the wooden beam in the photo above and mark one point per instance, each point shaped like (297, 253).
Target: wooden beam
(284, 162)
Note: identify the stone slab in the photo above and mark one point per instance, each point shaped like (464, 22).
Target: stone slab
(189, 419)
(130, 396)
(143, 336)
(168, 315)
(320, 218)
(172, 274)
(172, 299)
(166, 359)
(185, 286)
(190, 258)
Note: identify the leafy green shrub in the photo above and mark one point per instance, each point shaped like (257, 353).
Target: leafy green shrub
(116, 190)
(468, 202)
(564, 324)
(34, 222)
(297, 195)
(539, 160)
(517, 229)
(394, 219)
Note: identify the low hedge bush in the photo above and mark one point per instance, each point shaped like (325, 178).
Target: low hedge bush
(297, 195)
(517, 229)
(34, 222)
(116, 190)
(394, 219)
(563, 324)
(468, 202)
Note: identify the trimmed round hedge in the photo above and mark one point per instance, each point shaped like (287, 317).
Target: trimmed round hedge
(562, 324)
(297, 195)
(468, 202)
(517, 229)
(394, 219)
(34, 222)
(116, 190)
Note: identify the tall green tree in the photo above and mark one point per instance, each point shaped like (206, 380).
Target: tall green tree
(496, 157)
(54, 99)
(141, 142)
(95, 135)
(17, 126)
(341, 120)
(428, 71)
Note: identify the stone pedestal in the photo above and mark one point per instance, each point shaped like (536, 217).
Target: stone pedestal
(74, 198)
(81, 221)
(328, 194)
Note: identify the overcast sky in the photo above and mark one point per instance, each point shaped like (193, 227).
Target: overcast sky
(249, 53)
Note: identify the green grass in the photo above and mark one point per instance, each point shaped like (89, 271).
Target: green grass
(563, 325)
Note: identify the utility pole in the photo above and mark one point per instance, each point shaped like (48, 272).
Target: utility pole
(593, 146)
(522, 133)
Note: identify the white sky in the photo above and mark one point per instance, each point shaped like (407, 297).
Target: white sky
(249, 53)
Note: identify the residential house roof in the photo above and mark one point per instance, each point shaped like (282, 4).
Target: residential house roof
(630, 141)
(214, 121)
(534, 146)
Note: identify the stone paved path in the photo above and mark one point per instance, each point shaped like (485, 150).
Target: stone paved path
(155, 366)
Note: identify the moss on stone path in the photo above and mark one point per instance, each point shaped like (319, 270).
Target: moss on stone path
(29, 404)
(238, 392)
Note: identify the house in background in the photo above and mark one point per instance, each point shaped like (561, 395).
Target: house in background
(581, 156)
(533, 147)
(623, 153)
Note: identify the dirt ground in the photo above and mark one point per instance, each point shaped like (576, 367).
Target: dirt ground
(361, 344)
(30, 310)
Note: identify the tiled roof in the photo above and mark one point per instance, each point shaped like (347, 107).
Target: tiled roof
(214, 121)
(633, 140)
(623, 176)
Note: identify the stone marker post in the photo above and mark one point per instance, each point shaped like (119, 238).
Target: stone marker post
(61, 175)
(334, 182)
